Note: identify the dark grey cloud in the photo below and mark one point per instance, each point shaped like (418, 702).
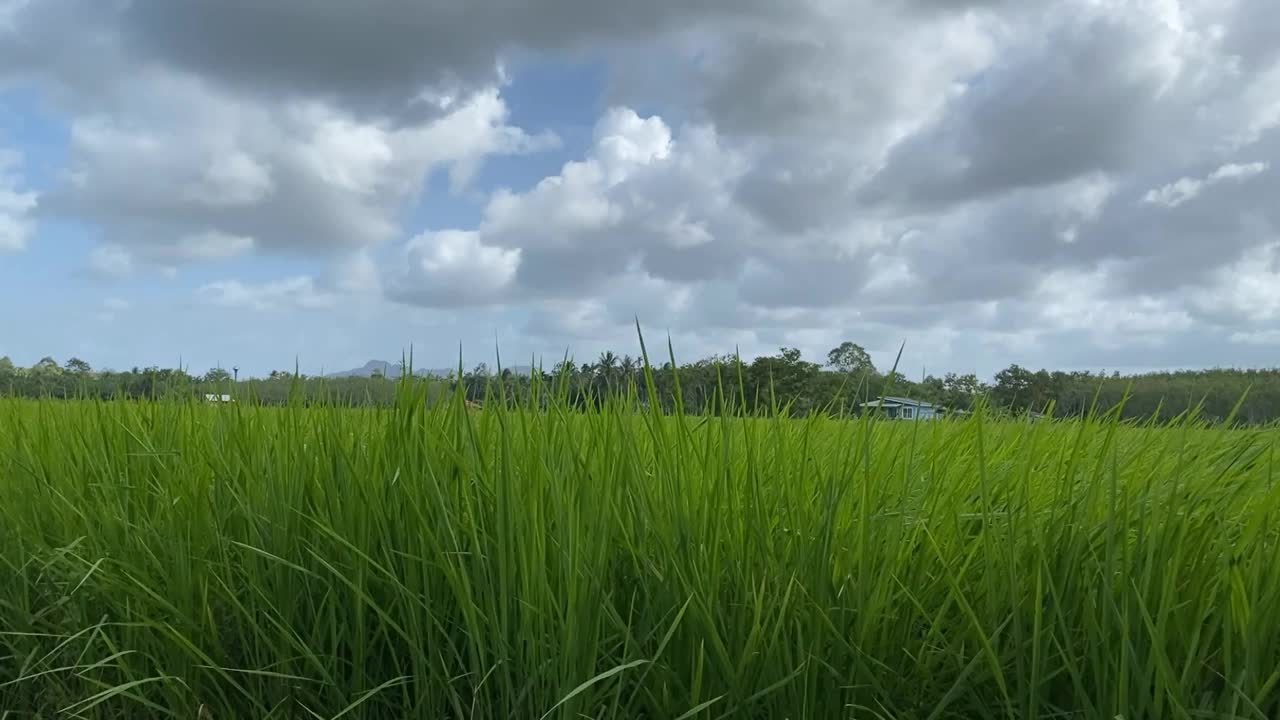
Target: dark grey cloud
(1082, 98)
(379, 53)
(800, 277)
(1222, 210)
(570, 271)
(797, 189)
(1251, 33)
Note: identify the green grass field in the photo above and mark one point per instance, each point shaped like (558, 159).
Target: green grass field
(171, 559)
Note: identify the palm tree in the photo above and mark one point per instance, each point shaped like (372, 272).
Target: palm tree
(630, 368)
(607, 367)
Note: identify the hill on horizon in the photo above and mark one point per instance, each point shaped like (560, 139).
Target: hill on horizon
(391, 370)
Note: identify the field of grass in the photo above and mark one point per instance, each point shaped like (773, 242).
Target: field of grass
(171, 559)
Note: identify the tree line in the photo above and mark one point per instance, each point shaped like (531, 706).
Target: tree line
(842, 383)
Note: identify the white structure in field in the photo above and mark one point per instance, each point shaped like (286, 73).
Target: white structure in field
(905, 408)
(217, 398)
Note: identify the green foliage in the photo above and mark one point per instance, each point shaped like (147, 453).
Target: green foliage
(78, 366)
(541, 560)
(217, 375)
(768, 382)
(851, 358)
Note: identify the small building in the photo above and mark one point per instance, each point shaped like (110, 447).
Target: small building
(902, 408)
(217, 398)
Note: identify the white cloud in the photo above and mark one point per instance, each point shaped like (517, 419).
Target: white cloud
(211, 245)
(111, 261)
(1077, 301)
(232, 179)
(16, 205)
(358, 275)
(1247, 290)
(625, 141)
(1237, 172)
(178, 167)
(1258, 337)
(295, 293)
(119, 261)
(641, 194)
(1185, 189)
(453, 267)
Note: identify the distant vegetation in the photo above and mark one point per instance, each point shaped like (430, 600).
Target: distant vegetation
(566, 559)
(846, 378)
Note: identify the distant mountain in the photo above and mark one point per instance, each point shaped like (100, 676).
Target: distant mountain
(391, 370)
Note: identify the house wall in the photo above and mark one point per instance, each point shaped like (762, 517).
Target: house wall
(918, 413)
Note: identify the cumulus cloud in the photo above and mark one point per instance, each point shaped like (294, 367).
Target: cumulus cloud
(643, 197)
(1184, 189)
(212, 245)
(17, 206)
(1090, 89)
(982, 176)
(453, 267)
(1077, 301)
(191, 173)
(1247, 291)
(192, 148)
(1259, 337)
(295, 293)
(114, 261)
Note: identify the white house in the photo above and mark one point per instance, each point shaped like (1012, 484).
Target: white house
(905, 408)
(217, 398)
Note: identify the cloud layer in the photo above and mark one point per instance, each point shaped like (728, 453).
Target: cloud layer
(982, 177)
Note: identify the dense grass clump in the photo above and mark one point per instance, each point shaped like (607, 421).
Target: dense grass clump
(172, 559)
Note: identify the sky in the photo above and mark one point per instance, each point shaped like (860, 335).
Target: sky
(1075, 184)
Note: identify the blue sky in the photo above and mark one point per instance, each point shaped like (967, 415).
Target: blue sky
(1065, 185)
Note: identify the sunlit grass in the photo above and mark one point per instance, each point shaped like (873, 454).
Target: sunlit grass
(173, 559)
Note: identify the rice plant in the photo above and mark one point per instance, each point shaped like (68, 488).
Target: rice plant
(528, 560)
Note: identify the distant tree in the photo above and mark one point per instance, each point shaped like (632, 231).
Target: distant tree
(607, 369)
(629, 367)
(718, 383)
(1015, 388)
(564, 367)
(931, 389)
(896, 381)
(46, 366)
(216, 375)
(850, 357)
(784, 378)
(959, 392)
